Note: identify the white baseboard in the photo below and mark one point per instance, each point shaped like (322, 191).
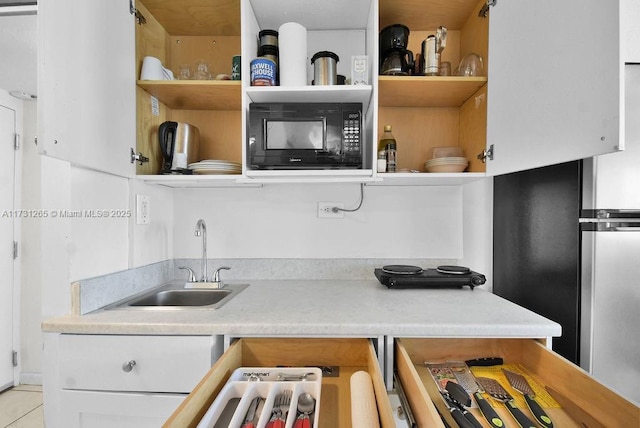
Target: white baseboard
(30, 378)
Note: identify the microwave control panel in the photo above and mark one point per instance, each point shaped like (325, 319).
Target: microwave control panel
(351, 133)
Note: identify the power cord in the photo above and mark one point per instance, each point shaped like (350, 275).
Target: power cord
(336, 209)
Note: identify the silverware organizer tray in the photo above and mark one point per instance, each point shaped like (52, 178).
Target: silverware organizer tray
(246, 383)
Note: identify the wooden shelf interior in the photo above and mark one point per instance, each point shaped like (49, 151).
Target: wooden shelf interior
(196, 94)
(427, 91)
(437, 111)
(417, 14)
(197, 17)
(181, 33)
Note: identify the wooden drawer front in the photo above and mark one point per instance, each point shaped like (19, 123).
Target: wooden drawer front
(351, 355)
(547, 367)
(162, 363)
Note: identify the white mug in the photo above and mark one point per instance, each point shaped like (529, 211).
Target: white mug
(152, 69)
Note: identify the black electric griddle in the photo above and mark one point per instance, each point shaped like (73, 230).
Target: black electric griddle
(407, 276)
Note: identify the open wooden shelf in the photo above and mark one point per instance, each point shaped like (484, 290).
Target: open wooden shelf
(427, 91)
(196, 94)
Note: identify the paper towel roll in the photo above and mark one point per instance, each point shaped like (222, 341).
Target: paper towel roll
(292, 63)
(364, 411)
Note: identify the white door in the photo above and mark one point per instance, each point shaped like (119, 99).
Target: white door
(86, 83)
(554, 82)
(7, 213)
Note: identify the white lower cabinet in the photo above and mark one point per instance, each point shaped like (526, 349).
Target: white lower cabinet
(123, 380)
(99, 409)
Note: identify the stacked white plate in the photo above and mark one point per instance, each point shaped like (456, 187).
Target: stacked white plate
(212, 166)
(446, 164)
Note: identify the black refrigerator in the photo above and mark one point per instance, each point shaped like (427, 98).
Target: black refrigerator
(536, 246)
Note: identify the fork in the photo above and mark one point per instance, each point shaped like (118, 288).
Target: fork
(280, 409)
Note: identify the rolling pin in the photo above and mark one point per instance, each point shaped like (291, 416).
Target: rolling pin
(364, 410)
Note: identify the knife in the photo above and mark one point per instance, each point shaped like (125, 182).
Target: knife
(485, 362)
(575, 411)
(251, 413)
(519, 383)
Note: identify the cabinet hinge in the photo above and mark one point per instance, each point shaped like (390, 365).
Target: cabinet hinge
(486, 153)
(14, 358)
(16, 142)
(15, 250)
(484, 10)
(138, 157)
(140, 19)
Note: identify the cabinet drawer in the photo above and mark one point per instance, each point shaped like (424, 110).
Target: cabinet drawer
(547, 367)
(162, 363)
(350, 355)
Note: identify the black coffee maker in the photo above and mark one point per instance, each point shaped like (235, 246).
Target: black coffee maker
(395, 58)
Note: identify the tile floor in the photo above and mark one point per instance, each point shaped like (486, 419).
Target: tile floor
(21, 407)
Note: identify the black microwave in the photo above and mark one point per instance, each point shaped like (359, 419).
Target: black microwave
(305, 136)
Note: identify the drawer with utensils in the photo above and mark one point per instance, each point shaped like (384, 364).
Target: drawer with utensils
(270, 397)
(526, 382)
(271, 367)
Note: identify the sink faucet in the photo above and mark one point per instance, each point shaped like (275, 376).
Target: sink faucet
(201, 230)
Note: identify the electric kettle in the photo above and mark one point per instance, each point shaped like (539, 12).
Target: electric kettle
(179, 143)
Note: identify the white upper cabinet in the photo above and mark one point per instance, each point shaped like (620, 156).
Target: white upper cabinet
(630, 30)
(87, 83)
(554, 87)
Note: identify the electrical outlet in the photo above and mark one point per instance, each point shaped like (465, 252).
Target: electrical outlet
(143, 208)
(325, 210)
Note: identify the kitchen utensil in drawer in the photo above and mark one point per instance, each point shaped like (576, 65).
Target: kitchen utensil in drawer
(227, 414)
(363, 401)
(306, 406)
(495, 390)
(251, 413)
(458, 414)
(519, 383)
(278, 389)
(280, 409)
(485, 362)
(460, 395)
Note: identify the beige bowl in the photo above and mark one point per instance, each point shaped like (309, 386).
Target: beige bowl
(454, 166)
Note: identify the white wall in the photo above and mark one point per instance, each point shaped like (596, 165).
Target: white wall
(152, 242)
(31, 293)
(280, 221)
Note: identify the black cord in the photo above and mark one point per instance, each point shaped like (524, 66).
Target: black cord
(336, 209)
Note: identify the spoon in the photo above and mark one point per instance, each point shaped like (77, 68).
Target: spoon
(306, 405)
(300, 377)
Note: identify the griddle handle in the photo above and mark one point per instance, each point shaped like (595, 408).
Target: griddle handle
(537, 411)
(520, 417)
(488, 411)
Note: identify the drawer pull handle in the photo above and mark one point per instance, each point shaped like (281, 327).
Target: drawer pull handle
(128, 366)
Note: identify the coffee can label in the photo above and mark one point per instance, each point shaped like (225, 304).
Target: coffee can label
(263, 72)
(235, 68)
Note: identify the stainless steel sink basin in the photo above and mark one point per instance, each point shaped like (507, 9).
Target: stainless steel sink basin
(175, 296)
(186, 297)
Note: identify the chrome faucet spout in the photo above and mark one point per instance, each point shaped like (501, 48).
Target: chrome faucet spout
(201, 230)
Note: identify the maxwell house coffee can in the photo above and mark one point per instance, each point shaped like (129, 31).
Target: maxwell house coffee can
(263, 72)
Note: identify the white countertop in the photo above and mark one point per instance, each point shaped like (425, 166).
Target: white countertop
(303, 308)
